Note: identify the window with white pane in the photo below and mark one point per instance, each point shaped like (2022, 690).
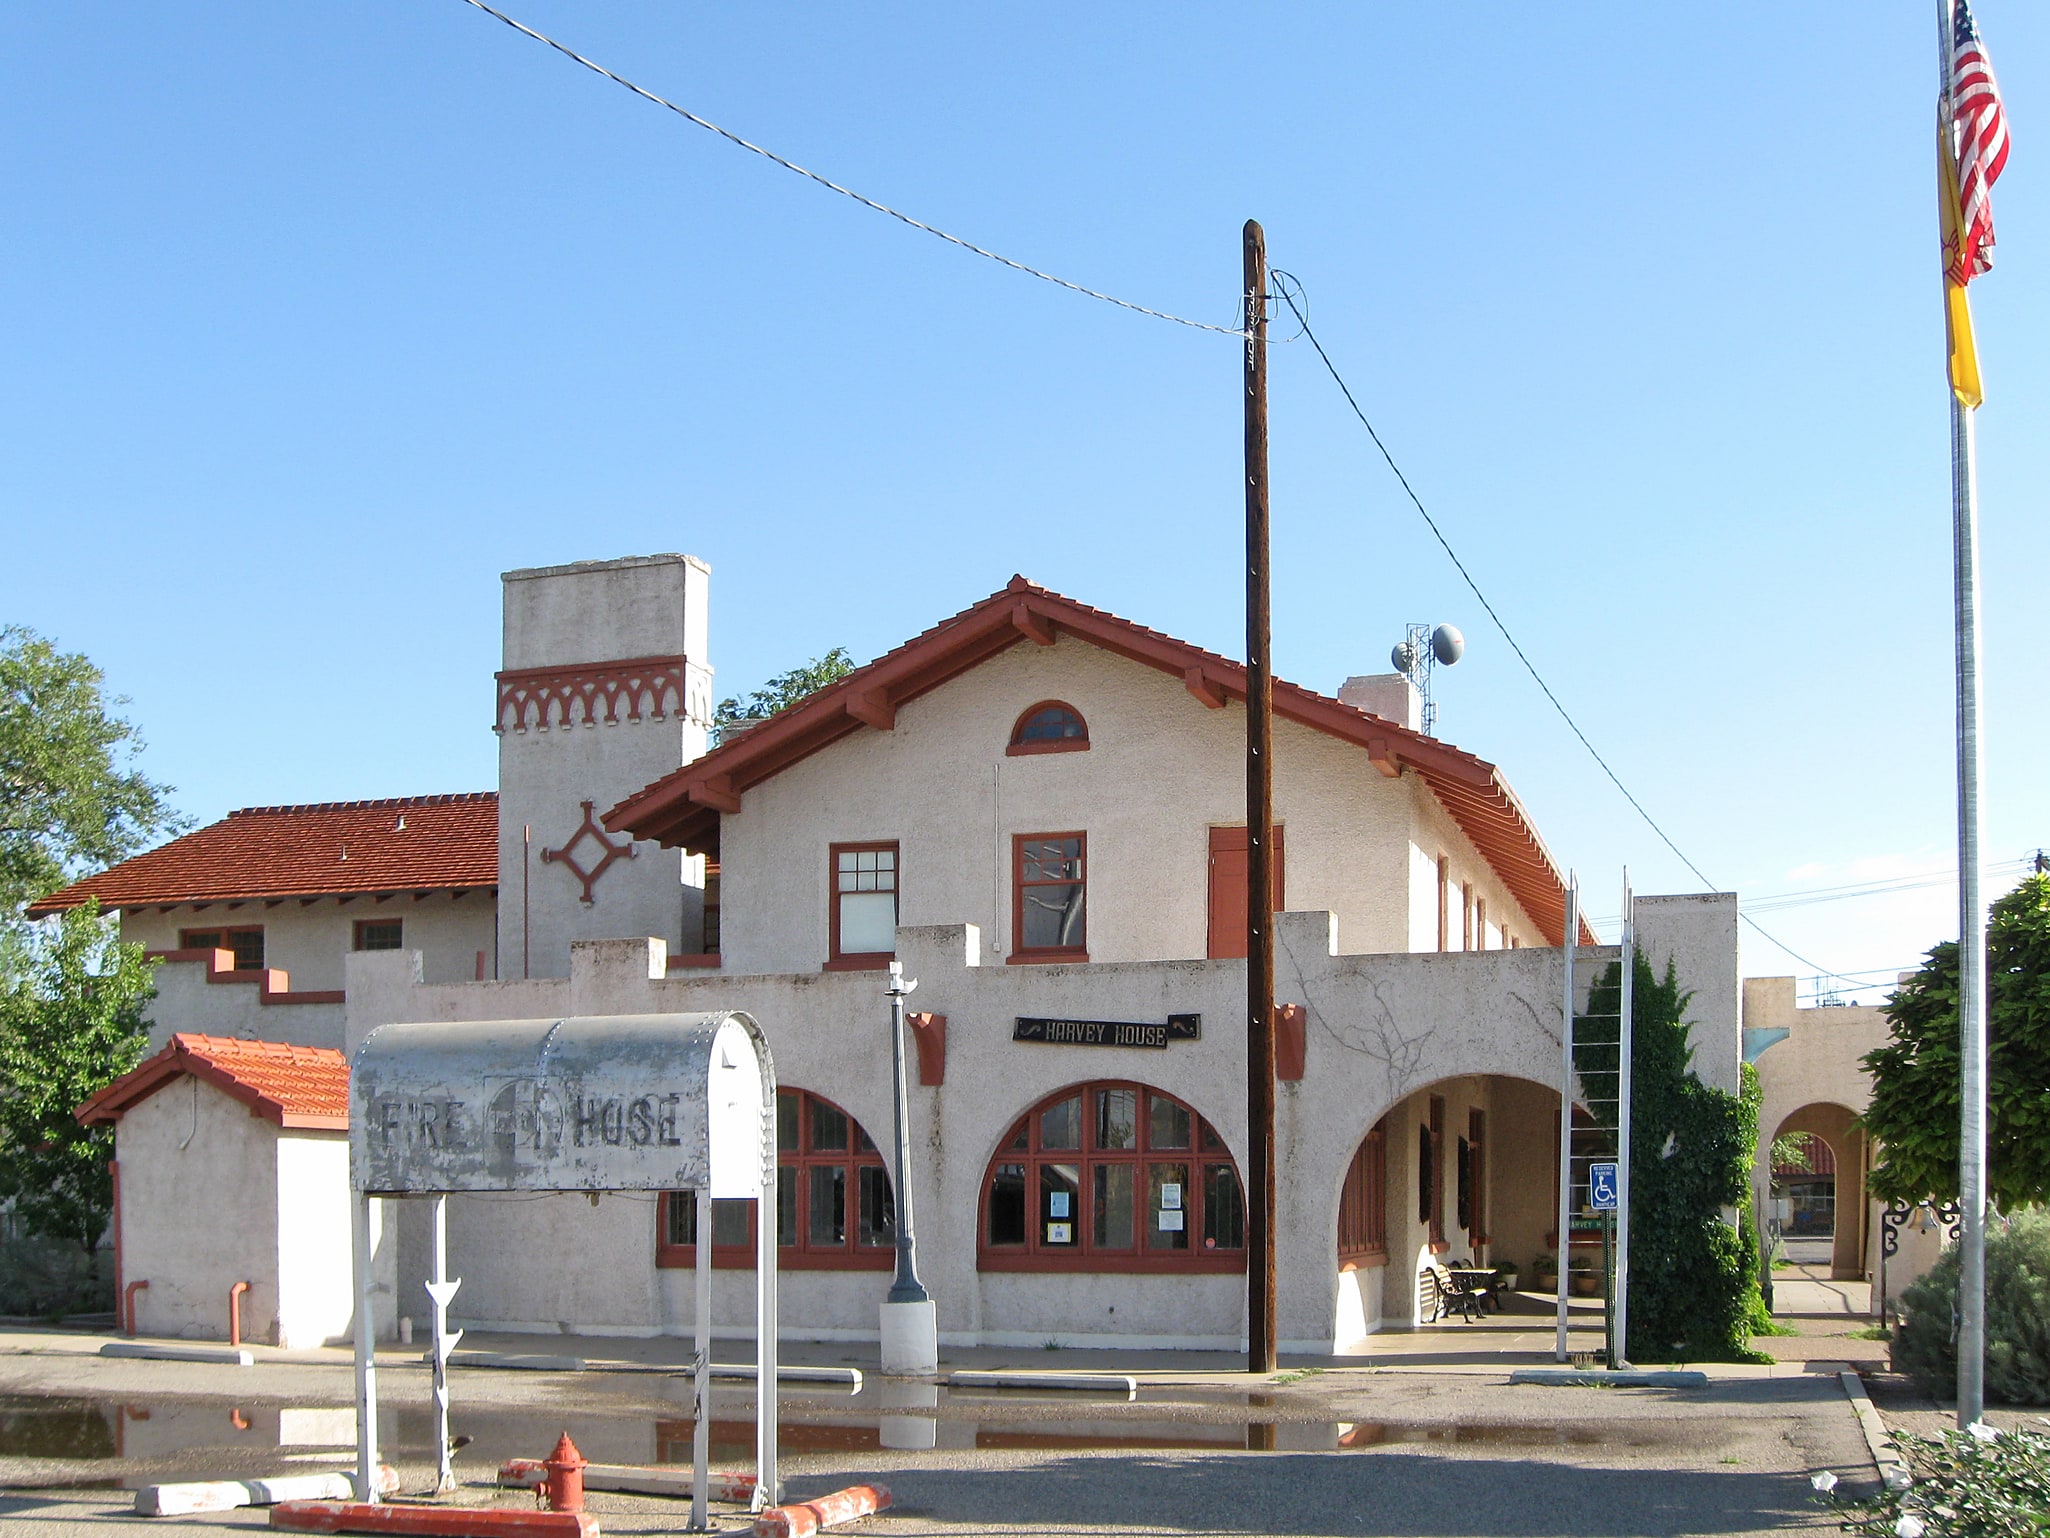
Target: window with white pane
(864, 905)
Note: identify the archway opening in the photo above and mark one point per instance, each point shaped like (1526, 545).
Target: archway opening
(1459, 1177)
(1817, 1208)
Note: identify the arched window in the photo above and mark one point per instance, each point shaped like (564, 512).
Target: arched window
(1050, 727)
(834, 1206)
(1112, 1177)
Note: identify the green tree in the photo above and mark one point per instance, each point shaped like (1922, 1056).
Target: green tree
(786, 689)
(70, 797)
(70, 1023)
(1914, 1109)
(1693, 1278)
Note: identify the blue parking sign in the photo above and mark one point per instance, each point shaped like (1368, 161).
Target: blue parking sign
(1601, 1187)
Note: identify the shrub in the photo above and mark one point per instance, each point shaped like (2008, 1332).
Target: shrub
(1976, 1484)
(2017, 1315)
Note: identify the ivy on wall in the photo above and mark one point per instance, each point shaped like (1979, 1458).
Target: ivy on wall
(1693, 1277)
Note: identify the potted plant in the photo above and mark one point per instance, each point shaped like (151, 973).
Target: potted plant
(1510, 1272)
(1587, 1281)
(1545, 1273)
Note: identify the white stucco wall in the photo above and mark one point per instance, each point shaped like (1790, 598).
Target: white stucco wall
(310, 941)
(595, 612)
(1380, 1027)
(186, 1001)
(1160, 771)
(199, 1212)
(315, 1302)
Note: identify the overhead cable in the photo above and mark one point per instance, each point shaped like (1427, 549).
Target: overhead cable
(847, 192)
(1345, 389)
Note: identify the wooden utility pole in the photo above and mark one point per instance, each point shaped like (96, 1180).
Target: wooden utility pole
(1259, 833)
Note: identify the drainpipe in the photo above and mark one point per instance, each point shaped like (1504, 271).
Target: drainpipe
(235, 1312)
(128, 1304)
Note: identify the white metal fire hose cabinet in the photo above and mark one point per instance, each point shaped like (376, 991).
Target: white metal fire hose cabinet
(606, 1103)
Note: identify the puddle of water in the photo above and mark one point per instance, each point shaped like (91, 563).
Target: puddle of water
(200, 1435)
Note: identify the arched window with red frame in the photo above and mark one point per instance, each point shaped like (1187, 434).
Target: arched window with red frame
(835, 1210)
(1051, 726)
(1112, 1177)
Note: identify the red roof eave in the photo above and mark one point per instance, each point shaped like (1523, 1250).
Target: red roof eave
(323, 1108)
(682, 808)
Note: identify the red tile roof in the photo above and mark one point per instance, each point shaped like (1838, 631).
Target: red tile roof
(334, 848)
(683, 807)
(300, 1087)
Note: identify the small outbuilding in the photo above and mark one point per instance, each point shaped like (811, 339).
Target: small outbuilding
(231, 1191)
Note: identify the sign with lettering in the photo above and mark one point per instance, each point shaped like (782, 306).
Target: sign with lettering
(626, 1103)
(1108, 1033)
(1602, 1187)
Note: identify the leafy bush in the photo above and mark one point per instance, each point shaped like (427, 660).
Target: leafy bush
(44, 1278)
(2017, 1315)
(1976, 1484)
(1693, 1277)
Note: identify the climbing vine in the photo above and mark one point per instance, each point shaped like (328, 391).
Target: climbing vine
(1693, 1277)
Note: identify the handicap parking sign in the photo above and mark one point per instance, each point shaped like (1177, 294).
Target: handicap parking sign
(1601, 1186)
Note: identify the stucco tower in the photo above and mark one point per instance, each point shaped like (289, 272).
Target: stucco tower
(604, 690)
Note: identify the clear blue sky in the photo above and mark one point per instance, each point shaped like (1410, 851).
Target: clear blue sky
(319, 316)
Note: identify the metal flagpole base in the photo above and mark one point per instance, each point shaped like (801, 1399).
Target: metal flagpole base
(911, 1339)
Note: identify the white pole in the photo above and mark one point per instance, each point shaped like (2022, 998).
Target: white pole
(366, 1349)
(1623, 1091)
(768, 1485)
(1566, 1087)
(440, 1291)
(701, 1389)
(1971, 939)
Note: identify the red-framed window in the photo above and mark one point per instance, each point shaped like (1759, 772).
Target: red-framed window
(380, 934)
(1444, 903)
(863, 916)
(1473, 1179)
(1049, 890)
(835, 1210)
(1112, 1177)
(245, 940)
(1051, 726)
(1363, 1203)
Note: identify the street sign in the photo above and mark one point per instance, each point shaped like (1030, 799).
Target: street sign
(1601, 1187)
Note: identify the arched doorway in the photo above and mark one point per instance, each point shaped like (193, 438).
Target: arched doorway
(1462, 1172)
(1818, 1158)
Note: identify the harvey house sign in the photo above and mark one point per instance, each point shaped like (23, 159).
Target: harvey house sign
(1107, 1033)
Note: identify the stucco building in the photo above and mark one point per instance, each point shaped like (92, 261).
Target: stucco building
(1038, 807)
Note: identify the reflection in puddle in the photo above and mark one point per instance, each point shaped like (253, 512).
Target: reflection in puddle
(219, 1439)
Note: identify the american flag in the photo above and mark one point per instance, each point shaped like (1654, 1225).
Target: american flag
(1979, 136)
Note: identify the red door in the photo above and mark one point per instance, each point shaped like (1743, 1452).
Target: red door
(1228, 889)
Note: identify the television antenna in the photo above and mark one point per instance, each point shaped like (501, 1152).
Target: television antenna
(1423, 649)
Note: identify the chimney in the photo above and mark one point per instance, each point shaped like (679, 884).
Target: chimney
(1390, 696)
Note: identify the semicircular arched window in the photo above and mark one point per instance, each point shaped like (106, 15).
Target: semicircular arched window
(835, 1210)
(1112, 1177)
(1051, 726)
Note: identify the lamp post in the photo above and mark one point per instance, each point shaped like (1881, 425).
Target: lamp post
(910, 1324)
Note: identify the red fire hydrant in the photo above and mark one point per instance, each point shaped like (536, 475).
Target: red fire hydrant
(563, 1488)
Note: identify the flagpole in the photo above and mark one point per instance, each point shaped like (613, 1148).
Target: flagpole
(1964, 493)
(1971, 971)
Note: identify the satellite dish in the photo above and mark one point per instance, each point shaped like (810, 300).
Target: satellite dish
(1403, 657)
(1447, 645)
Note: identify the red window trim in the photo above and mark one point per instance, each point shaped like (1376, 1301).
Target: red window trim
(1018, 748)
(1021, 954)
(1444, 902)
(227, 932)
(356, 932)
(1084, 1257)
(800, 1256)
(858, 961)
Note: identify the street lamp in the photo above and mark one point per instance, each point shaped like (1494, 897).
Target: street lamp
(910, 1323)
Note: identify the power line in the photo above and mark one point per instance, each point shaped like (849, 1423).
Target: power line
(1529, 666)
(847, 192)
